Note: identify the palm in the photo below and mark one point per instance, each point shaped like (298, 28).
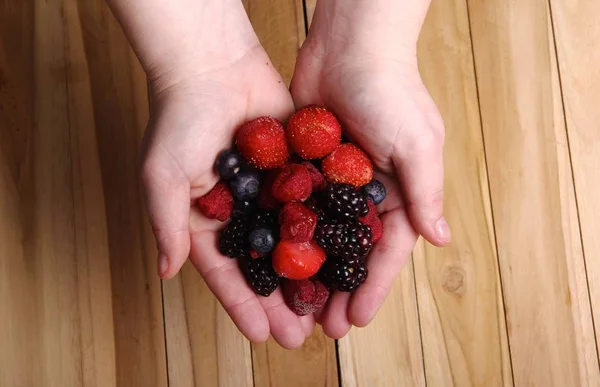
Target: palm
(373, 107)
(191, 123)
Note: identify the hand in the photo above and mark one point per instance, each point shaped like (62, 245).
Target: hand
(351, 64)
(196, 106)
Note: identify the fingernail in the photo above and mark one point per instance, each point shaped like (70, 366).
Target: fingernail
(442, 231)
(163, 264)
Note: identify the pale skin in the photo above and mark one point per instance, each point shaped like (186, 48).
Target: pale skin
(208, 74)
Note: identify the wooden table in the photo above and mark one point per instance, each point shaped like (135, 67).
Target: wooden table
(515, 300)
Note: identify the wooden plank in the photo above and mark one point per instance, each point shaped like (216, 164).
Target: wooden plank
(577, 36)
(541, 261)
(310, 6)
(56, 275)
(388, 351)
(204, 346)
(121, 111)
(459, 291)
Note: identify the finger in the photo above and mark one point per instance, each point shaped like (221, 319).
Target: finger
(335, 318)
(308, 324)
(420, 169)
(225, 280)
(384, 264)
(168, 202)
(286, 328)
(319, 315)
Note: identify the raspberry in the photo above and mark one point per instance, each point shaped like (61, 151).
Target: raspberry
(345, 202)
(350, 242)
(297, 260)
(293, 183)
(318, 180)
(372, 220)
(305, 296)
(313, 132)
(233, 241)
(217, 204)
(348, 164)
(261, 276)
(297, 222)
(266, 200)
(262, 143)
(339, 275)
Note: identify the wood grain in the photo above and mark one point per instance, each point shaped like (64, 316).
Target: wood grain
(118, 89)
(59, 320)
(458, 287)
(545, 292)
(577, 36)
(388, 351)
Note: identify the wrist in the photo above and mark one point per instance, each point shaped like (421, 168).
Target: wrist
(386, 28)
(185, 38)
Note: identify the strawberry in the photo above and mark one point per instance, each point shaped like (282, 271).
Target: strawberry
(313, 132)
(348, 164)
(305, 296)
(297, 260)
(293, 182)
(297, 222)
(262, 143)
(318, 180)
(372, 220)
(217, 203)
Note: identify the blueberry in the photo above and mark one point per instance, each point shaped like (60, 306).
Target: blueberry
(262, 240)
(228, 163)
(375, 190)
(245, 185)
(243, 207)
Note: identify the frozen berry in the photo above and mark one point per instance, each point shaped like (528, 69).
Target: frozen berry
(228, 163)
(263, 218)
(262, 142)
(345, 202)
(297, 222)
(375, 190)
(262, 240)
(266, 200)
(313, 132)
(245, 185)
(243, 207)
(318, 180)
(233, 241)
(348, 164)
(261, 276)
(293, 183)
(297, 260)
(217, 204)
(372, 220)
(305, 296)
(339, 275)
(350, 242)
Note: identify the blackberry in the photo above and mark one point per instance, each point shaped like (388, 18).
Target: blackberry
(350, 242)
(268, 219)
(233, 241)
(345, 202)
(261, 276)
(314, 205)
(339, 275)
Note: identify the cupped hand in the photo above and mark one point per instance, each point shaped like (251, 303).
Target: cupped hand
(193, 118)
(378, 96)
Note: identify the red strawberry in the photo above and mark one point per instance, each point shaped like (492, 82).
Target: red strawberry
(297, 260)
(218, 203)
(293, 182)
(348, 164)
(266, 201)
(297, 222)
(262, 143)
(318, 180)
(305, 297)
(372, 220)
(313, 132)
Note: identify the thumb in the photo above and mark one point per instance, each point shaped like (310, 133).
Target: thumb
(168, 202)
(420, 169)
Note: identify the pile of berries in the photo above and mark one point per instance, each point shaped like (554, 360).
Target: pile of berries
(302, 207)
